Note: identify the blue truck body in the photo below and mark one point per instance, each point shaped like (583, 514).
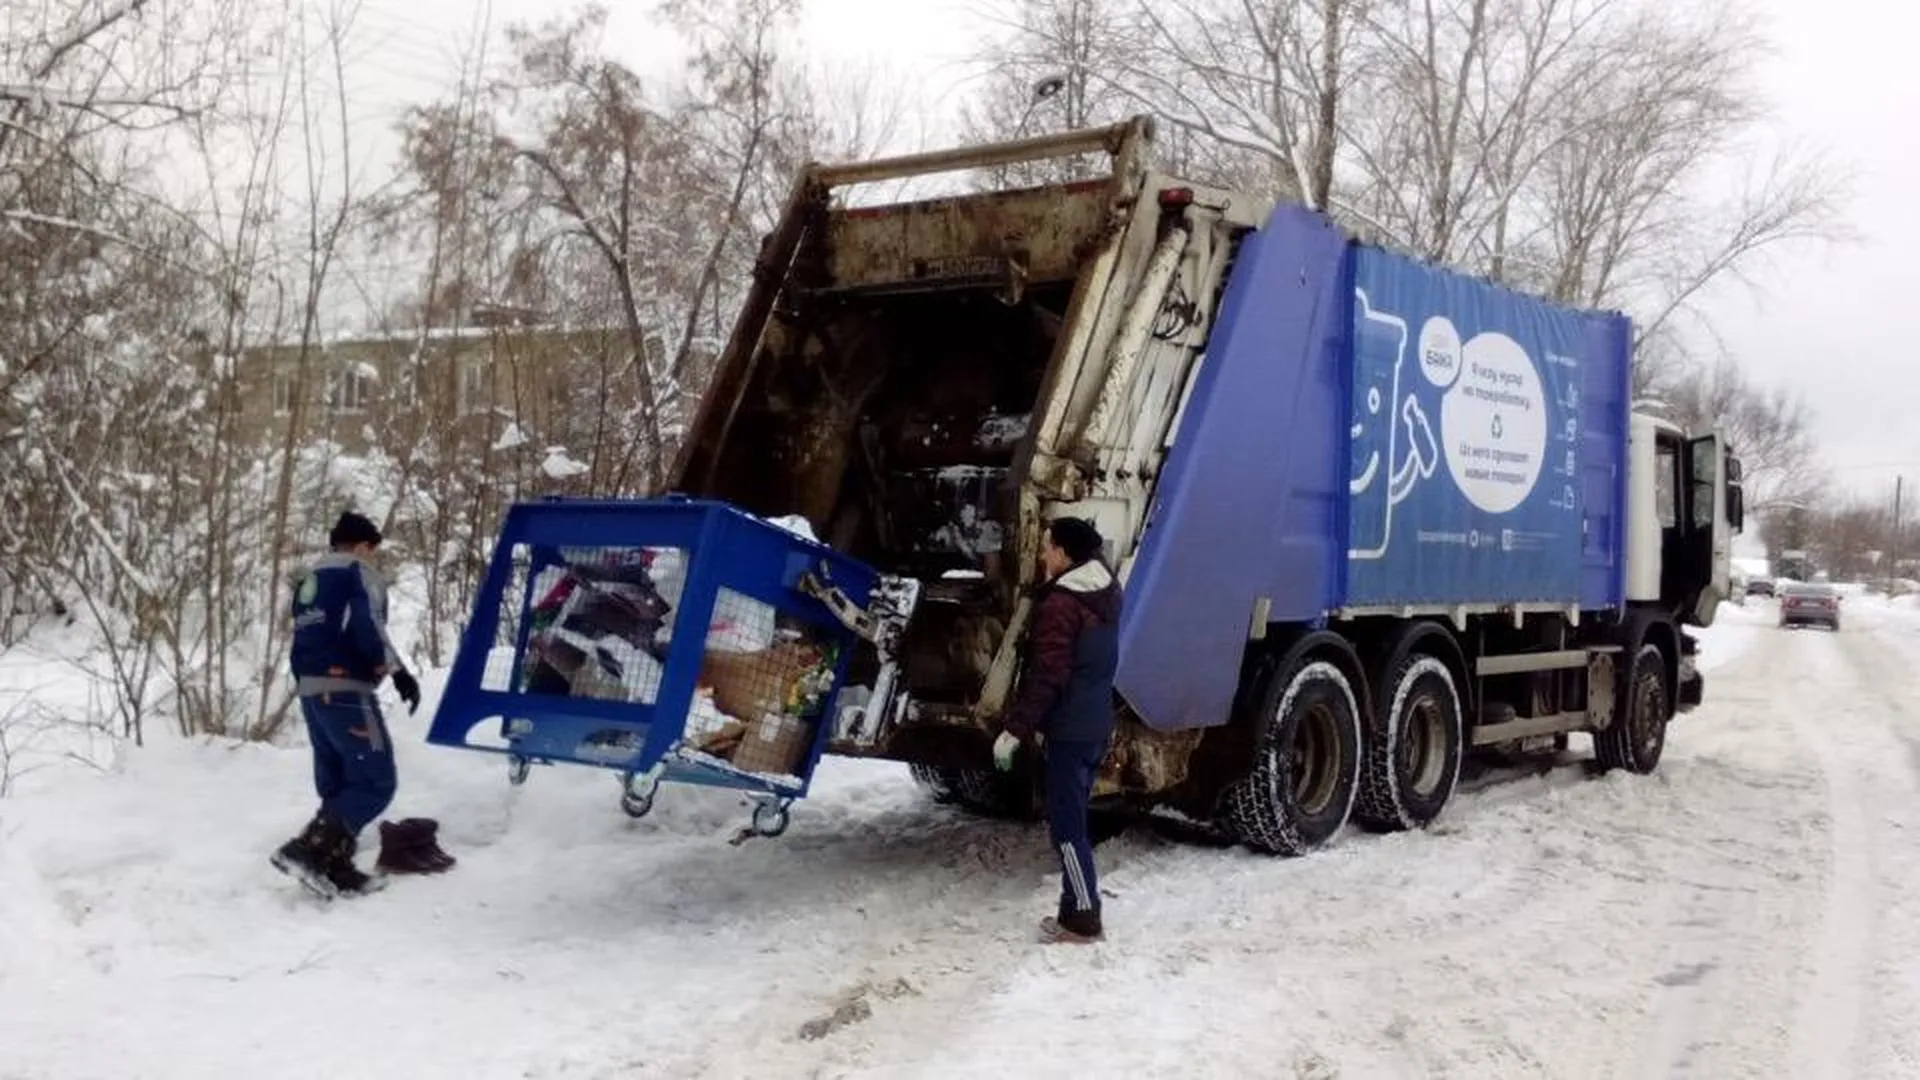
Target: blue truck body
(1369, 433)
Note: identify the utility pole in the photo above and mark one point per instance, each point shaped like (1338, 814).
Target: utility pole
(1893, 542)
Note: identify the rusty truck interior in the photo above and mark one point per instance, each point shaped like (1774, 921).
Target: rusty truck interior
(887, 392)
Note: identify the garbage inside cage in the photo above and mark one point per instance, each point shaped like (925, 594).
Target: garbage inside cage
(577, 651)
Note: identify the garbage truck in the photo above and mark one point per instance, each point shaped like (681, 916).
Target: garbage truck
(1373, 516)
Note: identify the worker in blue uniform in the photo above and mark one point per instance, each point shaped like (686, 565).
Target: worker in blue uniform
(340, 653)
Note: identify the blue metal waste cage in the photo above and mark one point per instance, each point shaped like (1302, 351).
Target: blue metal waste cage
(585, 645)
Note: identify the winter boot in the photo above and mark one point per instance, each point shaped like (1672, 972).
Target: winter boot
(346, 879)
(1072, 928)
(409, 847)
(304, 858)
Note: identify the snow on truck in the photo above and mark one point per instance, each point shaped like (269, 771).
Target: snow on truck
(1372, 516)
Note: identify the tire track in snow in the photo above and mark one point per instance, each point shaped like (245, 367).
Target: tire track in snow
(1663, 913)
(1874, 739)
(1897, 681)
(1294, 922)
(1344, 941)
(1724, 978)
(1832, 1013)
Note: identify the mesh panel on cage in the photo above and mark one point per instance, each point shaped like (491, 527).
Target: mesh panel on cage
(764, 681)
(598, 622)
(498, 675)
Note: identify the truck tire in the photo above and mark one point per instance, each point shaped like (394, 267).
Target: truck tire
(1414, 764)
(1306, 761)
(1638, 734)
(978, 791)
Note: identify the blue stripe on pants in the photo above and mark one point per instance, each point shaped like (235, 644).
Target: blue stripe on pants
(1070, 768)
(352, 757)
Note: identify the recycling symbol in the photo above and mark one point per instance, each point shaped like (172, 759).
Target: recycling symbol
(1496, 425)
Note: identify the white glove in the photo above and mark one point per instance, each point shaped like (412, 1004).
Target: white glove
(1003, 751)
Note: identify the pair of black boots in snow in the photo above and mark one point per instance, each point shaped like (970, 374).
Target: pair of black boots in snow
(321, 857)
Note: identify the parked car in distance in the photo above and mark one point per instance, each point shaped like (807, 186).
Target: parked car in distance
(1809, 604)
(1760, 587)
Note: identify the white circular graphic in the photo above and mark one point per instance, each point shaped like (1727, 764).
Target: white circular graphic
(1440, 351)
(1494, 422)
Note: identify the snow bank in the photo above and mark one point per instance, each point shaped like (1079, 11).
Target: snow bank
(559, 465)
(55, 704)
(147, 897)
(512, 438)
(1735, 629)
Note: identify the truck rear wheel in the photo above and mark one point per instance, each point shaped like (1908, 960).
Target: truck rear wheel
(1306, 762)
(977, 791)
(1638, 734)
(1413, 765)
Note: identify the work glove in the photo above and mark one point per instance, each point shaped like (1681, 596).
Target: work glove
(408, 688)
(1004, 748)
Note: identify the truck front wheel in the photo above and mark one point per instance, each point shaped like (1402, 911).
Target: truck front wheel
(1638, 734)
(1414, 763)
(1306, 762)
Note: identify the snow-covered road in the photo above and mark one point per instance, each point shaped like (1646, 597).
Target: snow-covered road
(1751, 910)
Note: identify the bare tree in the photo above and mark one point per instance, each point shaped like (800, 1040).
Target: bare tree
(611, 203)
(1265, 80)
(1044, 69)
(331, 208)
(1770, 429)
(103, 285)
(736, 114)
(1567, 147)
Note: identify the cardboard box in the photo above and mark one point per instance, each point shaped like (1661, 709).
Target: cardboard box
(747, 685)
(773, 744)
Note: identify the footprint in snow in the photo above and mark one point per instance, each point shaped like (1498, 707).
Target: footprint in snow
(854, 1008)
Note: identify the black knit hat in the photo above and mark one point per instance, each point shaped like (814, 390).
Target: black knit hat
(1077, 537)
(353, 529)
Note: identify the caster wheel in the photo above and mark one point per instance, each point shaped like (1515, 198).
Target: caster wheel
(636, 794)
(770, 819)
(636, 806)
(518, 769)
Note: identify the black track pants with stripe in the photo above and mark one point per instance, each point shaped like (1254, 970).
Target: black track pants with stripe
(1070, 768)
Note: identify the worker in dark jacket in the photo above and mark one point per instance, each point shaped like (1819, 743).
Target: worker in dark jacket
(339, 655)
(1065, 697)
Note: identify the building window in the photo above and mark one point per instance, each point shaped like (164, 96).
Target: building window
(352, 390)
(476, 384)
(282, 393)
(407, 385)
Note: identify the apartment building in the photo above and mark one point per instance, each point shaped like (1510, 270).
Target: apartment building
(498, 373)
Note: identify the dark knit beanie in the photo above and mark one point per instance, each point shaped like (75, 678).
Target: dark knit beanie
(1077, 537)
(353, 529)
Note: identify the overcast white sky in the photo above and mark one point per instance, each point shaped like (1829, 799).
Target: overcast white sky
(1842, 75)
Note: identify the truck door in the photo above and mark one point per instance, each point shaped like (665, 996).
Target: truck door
(1694, 546)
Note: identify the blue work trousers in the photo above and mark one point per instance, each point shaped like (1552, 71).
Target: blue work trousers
(352, 757)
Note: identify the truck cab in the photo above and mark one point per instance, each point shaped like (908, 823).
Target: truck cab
(1687, 503)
